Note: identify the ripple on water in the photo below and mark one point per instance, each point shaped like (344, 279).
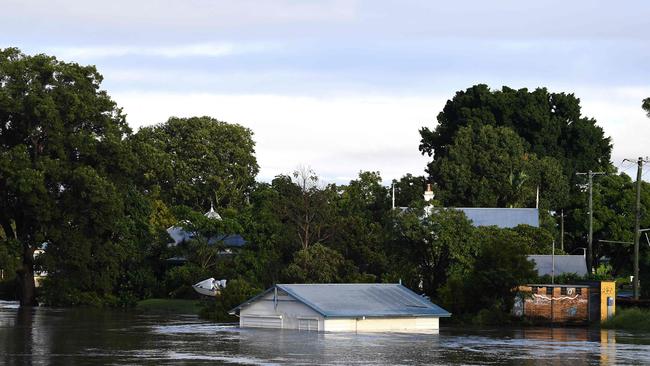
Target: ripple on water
(240, 360)
(193, 328)
(9, 304)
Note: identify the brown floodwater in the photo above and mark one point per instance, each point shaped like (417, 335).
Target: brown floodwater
(44, 336)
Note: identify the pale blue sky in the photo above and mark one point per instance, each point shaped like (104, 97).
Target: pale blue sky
(344, 86)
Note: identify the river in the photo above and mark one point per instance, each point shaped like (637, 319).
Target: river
(44, 336)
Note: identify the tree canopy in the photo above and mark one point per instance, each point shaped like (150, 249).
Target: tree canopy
(62, 159)
(488, 166)
(197, 161)
(551, 125)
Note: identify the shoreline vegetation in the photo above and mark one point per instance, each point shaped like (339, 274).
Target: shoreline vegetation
(631, 319)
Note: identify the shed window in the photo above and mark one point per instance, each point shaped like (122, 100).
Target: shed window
(563, 291)
(549, 290)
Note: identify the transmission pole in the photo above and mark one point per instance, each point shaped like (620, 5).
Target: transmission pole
(562, 232)
(637, 229)
(590, 251)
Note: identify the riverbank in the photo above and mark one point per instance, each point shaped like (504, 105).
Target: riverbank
(169, 306)
(632, 319)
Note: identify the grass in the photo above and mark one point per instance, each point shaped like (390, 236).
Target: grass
(632, 319)
(169, 306)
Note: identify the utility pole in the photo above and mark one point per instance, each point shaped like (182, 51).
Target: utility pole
(562, 231)
(637, 231)
(590, 251)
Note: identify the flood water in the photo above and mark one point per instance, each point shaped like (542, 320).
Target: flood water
(45, 336)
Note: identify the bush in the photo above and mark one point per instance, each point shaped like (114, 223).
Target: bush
(633, 319)
(234, 294)
(179, 280)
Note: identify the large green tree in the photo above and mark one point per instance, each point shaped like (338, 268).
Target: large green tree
(614, 198)
(499, 266)
(428, 248)
(62, 156)
(488, 166)
(551, 124)
(197, 161)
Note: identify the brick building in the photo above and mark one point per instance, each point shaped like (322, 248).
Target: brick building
(579, 303)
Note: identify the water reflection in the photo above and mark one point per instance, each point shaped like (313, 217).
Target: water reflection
(79, 336)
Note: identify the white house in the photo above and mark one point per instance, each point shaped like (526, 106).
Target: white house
(340, 308)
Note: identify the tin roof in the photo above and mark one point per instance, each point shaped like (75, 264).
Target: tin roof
(563, 264)
(358, 299)
(501, 217)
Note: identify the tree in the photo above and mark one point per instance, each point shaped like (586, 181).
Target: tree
(646, 106)
(306, 207)
(409, 189)
(614, 198)
(488, 166)
(498, 268)
(316, 264)
(427, 249)
(361, 209)
(62, 155)
(197, 161)
(551, 125)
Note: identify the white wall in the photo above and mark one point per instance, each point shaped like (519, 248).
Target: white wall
(290, 311)
(414, 324)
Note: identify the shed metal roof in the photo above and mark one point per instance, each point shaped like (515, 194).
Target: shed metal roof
(501, 217)
(358, 299)
(563, 264)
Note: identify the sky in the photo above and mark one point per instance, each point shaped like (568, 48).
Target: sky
(344, 86)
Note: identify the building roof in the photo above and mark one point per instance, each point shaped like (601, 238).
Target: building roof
(501, 217)
(358, 300)
(563, 264)
(212, 214)
(180, 235)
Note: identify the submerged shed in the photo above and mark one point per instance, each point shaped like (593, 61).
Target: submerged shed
(340, 307)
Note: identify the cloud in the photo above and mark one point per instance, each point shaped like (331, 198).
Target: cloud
(170, 51)
(336, 136)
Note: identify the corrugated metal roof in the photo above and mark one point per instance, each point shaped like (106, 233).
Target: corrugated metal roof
(180, 235)
(563, 264)
(501, 217)
(358, 299)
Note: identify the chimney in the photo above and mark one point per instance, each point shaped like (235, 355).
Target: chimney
(428, 194)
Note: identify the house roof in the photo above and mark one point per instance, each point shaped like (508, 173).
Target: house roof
(358, 299)
(563, 264)
(501, 217)
(179, 235)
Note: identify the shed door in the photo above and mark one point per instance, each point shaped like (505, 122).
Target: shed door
(308, 324)
(261, 321)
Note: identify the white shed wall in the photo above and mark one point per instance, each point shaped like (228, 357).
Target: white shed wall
(382, 324)
(289, 314)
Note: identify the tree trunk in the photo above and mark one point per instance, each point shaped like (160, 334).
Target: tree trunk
(26, 278)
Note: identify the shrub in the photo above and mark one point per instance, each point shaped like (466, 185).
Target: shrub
(235, 293)
(633, 319)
